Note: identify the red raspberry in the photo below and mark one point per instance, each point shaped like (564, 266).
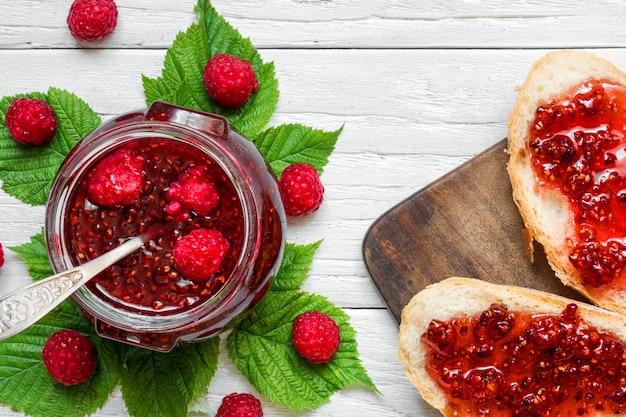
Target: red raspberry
(300, 189)
(315, 336)
(117, 180)
(200, 254)
(31, 121)
(69, 357)
(1, 256)
(193, 191)
(92, 20)
(229, 80)
(240, 405)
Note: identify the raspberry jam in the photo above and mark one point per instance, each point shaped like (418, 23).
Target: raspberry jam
(506, 363)
(148, 280)
(166, 172)
(578, 148)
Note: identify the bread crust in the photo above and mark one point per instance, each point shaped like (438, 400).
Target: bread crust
(545, 212)
(460, 297)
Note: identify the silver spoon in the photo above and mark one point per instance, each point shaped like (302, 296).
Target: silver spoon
(23, 307)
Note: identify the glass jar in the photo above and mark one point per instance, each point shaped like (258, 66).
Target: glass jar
(143, 300)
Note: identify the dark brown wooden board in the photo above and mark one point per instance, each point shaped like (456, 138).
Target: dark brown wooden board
(464, 224)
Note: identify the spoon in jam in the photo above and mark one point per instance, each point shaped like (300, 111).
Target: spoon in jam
(23, 307)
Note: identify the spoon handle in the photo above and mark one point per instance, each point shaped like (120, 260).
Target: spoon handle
(25, 306)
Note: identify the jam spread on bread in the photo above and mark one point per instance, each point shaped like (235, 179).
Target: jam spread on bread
(577, 145)
(517, 364)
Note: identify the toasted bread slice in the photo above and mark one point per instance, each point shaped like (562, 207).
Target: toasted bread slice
(546, 213)
(465, 297)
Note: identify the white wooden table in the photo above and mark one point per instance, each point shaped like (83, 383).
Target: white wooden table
(420, 86)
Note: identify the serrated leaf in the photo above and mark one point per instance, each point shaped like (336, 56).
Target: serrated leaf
(26, 385)
(35, 256)
(290, 143)
(27, 171)
(295, 266)
(75, 119)
(184, 64)
(165, 384)
(260, 347)
(180, 96)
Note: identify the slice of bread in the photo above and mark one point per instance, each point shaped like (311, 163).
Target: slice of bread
(545, 213)
(463, 297)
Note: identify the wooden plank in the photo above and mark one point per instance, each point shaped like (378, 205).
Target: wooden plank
(393, 24)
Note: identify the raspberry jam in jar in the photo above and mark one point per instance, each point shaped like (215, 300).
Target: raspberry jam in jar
(173, 175)
(578, 148)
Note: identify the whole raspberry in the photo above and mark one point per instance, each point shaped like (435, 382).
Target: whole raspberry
(229, 80)
(193, 191)
(69, 357)
(315, 336)
(1, 255)
(240, 405)
(200, 254)
(92, 20)
(117, 180)
(300, 189)
(31, 121)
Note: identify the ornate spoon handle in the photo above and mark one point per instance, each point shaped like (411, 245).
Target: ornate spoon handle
(25, 306)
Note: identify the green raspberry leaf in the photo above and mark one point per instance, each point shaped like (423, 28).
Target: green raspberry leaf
(295, 266)
(291, 143)
(35, 256)
(181, 78)
(287, 378)
(166, 384)
(27, 171)
(26, 385)
(181, 95)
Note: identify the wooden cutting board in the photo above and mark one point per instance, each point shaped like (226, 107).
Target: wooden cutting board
(464, 224)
